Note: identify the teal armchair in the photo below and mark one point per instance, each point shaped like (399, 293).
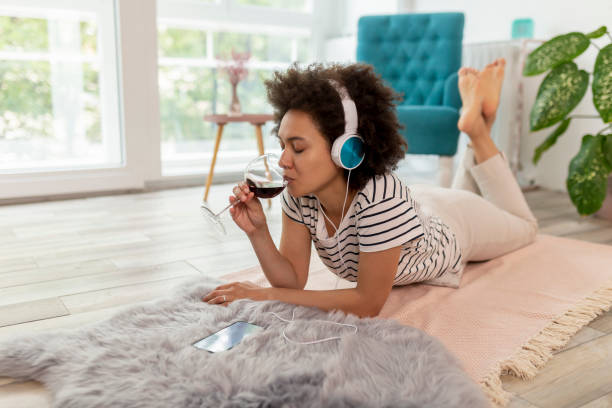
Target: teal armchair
(419, 55)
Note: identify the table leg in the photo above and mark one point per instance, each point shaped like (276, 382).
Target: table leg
(214, 159)
(260, 146)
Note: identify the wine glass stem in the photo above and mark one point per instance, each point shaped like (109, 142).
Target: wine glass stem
(228, 206)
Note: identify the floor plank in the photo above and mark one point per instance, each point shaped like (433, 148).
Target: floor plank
(601, 402)
(30, 311)
(603, 323)
(37, 275)
(70, 321)
(577, 365)
(69, 286)
(121, 295)
(30, 394)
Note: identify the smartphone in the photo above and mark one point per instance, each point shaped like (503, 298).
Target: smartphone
(227, 337)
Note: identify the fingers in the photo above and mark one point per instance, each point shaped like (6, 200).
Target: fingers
(226, 286)
(222, 300)
(217, 297)
(242, 192)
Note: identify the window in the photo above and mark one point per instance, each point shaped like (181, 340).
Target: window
(58, 96)
(191, 85)
(81, 82)
(296, 5)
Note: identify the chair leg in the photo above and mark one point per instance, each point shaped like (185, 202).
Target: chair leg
(445, 171)
(214, 159)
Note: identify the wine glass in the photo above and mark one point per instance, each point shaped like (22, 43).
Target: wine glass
(263, 175)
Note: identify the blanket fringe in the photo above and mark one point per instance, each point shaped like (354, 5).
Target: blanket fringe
(532, 356)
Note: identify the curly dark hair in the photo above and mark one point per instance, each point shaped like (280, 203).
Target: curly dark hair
(309, 90)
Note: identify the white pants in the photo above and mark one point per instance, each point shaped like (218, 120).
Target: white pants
(485, 208)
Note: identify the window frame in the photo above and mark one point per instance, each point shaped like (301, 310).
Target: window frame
(125, 57)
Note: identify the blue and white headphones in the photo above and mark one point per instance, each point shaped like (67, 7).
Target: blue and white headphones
(348, 150)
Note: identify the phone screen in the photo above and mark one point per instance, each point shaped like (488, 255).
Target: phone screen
(227, 337)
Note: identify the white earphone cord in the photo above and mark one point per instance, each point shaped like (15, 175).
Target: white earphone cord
(315, 341)
(337, 280)
(348, 179)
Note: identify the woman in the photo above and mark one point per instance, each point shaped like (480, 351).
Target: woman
(366, 224)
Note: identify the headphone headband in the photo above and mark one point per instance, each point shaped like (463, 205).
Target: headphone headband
(347, 150)
(348, 105)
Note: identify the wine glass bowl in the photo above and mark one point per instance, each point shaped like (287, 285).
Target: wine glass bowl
(263, 175)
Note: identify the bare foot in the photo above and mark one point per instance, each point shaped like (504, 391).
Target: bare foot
(492, 77)
(471, 120)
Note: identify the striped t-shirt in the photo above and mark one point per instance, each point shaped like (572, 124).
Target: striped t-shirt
(382, 215)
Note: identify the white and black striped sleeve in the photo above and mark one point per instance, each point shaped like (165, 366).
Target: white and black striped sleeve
(291, 207)
(388, 223)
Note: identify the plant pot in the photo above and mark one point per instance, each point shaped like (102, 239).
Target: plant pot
(605, 211)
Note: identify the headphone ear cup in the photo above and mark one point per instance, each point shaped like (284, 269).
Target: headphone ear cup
(348, 151)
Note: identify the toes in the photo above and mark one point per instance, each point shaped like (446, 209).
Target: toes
(468, 71)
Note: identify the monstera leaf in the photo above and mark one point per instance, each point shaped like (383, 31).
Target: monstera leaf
(559, 93)
(556, 51)
(588, 175)
(597, 33)
(550, 140)
(602, 83)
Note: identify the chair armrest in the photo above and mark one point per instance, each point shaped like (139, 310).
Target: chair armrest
(451, 97)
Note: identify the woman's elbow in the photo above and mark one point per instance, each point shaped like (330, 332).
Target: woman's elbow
(373, 313)
(371, 310)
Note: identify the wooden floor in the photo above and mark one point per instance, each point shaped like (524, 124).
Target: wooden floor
(65, 263)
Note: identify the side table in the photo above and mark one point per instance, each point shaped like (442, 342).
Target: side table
(257, 120)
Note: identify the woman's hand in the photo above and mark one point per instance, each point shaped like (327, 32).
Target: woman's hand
(226, 294)
(248, 213)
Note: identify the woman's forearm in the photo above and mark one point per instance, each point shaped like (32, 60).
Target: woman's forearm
(348, 300)
(278, 270)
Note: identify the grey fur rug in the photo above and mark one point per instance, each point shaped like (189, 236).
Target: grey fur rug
(142, 357)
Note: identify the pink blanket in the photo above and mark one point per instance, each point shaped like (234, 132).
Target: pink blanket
(509, 314)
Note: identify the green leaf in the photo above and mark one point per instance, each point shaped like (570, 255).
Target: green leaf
(602, 83)
(588, 175)
(550, 140)
(597, 33)
(559, 93)
(607, 148)
(556, 51)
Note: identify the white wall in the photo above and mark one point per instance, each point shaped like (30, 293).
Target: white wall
(341, 33)
(491, 20)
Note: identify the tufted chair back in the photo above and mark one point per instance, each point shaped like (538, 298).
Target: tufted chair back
(419, 55)
(414, 53)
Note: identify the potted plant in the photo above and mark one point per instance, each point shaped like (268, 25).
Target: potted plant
(559, 93)
(236, 70)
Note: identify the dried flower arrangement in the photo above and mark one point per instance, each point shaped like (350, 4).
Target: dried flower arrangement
(236, 70)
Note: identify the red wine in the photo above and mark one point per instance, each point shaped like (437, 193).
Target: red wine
(267, 190)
